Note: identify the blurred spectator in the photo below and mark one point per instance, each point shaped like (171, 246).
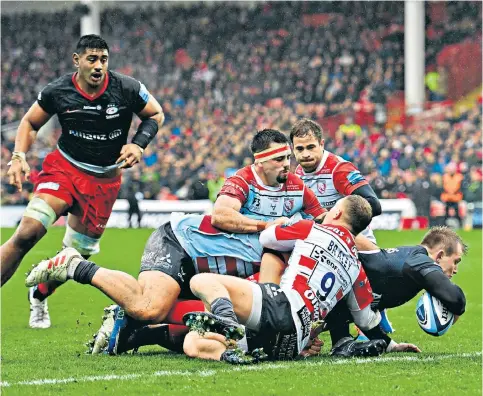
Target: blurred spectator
(220, 74)
(452, 194)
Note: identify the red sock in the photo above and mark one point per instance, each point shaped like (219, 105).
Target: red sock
(182, 307)
(44, 290)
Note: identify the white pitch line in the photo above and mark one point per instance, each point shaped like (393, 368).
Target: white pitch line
(261, 367)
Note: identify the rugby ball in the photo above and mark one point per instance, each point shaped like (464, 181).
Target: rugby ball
(433, 317)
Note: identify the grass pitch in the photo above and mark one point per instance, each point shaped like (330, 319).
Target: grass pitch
(51, 361)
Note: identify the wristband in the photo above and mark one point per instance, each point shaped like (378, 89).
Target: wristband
(146, 132)
(17, 155)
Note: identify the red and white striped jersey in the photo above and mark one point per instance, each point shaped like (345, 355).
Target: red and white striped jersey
(263, 202)
(333, 179)
(323, 267)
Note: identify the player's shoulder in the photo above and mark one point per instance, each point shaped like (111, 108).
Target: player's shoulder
(123, 80)
(417, 257)
(333, 160)
(60, 83)
(245, 173)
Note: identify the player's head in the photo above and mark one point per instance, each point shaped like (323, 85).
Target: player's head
(308, 144)
(272, 153)
(91, 58)
(352, 212)
(445, 247)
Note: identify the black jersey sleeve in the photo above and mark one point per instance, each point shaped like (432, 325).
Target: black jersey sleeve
(47, 99)
(451, 295)
(429, 276)
(136, 93)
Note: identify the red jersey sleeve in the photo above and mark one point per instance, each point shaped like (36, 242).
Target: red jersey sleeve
(235, 187)
(283, 237)
(311, 204)
(348, 178)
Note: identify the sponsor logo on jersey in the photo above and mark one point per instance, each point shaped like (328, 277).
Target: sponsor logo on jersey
(88, 136)
(115, 134)
(39, 97)
(98, 107)
(355, 177)
(321, 186)
(48, 186)
(305, 319)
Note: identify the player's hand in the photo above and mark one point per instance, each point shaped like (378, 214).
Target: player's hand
(313, 348)
(280, 220)
(131, 154)
(18, 165)
(404, 347)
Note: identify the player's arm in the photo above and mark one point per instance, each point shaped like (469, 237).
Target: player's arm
(364, 244)
(152, 118)
(226, 212)
(349, 181)
(31, 122)
(283, 237)
(359, 301)
(429, 276)
(226, 216)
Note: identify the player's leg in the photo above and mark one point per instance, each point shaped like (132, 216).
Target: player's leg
(272, 266)
(77, 236)
(209, 346)
(224, 295)
(165, 271)
(41, 212)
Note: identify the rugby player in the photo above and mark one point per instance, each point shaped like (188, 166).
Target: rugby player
(330, 177)
(323, 270)
(398, 274)
(255, 195)
(82, 176)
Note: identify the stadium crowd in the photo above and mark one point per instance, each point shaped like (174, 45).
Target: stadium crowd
(214, 73)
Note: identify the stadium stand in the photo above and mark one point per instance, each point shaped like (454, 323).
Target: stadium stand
(228, 71)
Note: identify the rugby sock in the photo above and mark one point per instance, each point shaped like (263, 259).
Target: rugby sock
(182, 307)
(44, 290)
(83, 272)
(338, 332)
(223, 307)
(167, 336)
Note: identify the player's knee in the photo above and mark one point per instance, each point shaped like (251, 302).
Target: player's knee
(27, 234)
(85, 245)
(145, 313)
(198, 281)
(38, 216)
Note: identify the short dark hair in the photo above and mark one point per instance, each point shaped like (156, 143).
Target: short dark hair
(262, 139)
(446, 238)
(358, 213)
(306, 127)
(91, 41)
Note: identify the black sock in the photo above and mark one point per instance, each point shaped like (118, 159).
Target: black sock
(338, 332)
(85, 271)
(224, 307)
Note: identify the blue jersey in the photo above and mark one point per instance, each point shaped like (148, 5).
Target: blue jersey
(215, 251)
(397, 275)
(262, 202)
